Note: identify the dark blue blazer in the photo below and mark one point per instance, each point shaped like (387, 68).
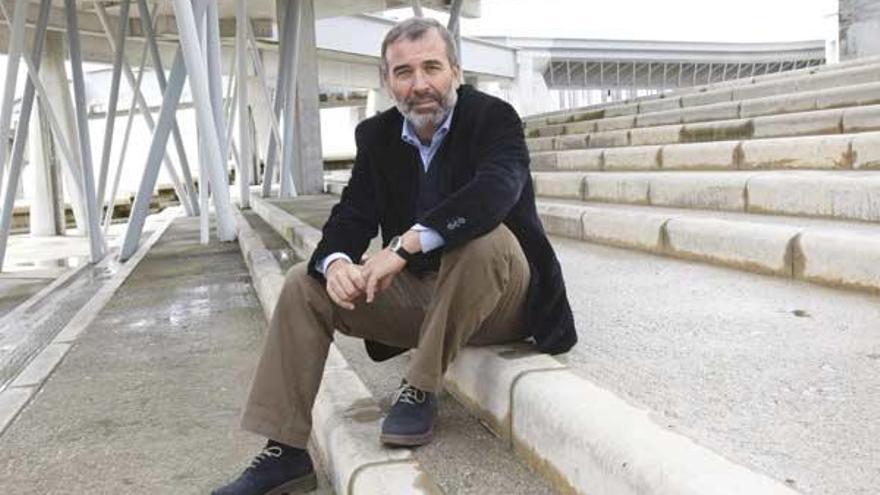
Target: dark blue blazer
(485, 180)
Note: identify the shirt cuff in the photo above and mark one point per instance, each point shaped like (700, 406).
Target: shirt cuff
(428, 238)
(323, 264)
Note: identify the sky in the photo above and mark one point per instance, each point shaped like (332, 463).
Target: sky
(662, 20)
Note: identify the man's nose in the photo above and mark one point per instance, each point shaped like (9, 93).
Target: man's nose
(420, 81)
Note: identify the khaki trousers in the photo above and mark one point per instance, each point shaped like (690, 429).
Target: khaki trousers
(477, 297)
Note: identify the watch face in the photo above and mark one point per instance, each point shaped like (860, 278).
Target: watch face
(396, 242)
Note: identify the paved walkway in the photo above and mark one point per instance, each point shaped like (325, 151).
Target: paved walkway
(148, 399)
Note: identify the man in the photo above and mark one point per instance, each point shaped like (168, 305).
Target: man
(445, 176)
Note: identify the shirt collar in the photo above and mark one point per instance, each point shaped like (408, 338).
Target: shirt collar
(408, 132)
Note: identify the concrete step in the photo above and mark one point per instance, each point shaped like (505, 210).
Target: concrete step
(818, 122)
(581, 437)
(849, 95)
(842, 195)
(733, 93)
(859, 151)
(837, 254)
(775, 374)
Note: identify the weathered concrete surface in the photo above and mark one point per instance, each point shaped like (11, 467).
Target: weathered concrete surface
(776, 375)
(464, 456)
(148, 399)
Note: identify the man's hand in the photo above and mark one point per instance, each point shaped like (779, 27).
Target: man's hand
(345, 282)
(379, 270)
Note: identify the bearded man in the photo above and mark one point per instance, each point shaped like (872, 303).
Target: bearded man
(445, 175)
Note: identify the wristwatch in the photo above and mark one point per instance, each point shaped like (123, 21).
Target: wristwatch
(396, 247)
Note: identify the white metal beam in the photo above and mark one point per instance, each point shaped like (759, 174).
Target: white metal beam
(96, 237)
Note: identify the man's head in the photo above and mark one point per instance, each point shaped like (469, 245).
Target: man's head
(420, 69)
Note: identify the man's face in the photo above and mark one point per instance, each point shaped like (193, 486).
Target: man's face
(421, 80)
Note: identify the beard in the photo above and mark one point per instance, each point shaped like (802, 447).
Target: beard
(432, 119)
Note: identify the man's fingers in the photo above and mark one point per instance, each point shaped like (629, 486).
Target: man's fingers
(333, 292)
(371, 288)
(347, 288)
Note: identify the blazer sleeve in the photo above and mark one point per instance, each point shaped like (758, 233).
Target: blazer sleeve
(353, 221)
(501, 170)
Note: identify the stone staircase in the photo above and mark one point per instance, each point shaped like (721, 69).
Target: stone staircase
(776, 176)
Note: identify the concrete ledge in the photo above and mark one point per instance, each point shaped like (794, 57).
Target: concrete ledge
(571, 141)
(716, 111)
(558, 184)
(580, 160)
(797, 102)
(721, 155)
(593, 442)
(609, 139)
(707, 97)
(844, 259)
(721, 130)
(346, 418)
(633, 188)
(850, 195)
(844, 255)
(660, 104)
(807, 152)
(632, 158)
(663, 134)
(866, 151)
(482, 377)
(654, 119)
(861, 119)
(746, 246)
(540, 144)
(561, 219)
(700, 190)
(581, 127)
(799, 124)
(615, 123)
(302, 240)
(848, 96)
(633, 230)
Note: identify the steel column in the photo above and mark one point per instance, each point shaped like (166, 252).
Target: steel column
(110, 121)
(96, 237)
(16, 46)
(198, 80)
(179, 188)
(261, 74)
(21, 133)
(167, 114)
(108, 214)
(244, 137)
(280, 95)
(291, 36)
(454, 25)
(192, 205)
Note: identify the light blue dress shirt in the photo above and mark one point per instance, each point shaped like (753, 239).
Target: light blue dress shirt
(428, 237)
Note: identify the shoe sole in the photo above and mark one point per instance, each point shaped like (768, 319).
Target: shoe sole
(302, 484)
(407, 440)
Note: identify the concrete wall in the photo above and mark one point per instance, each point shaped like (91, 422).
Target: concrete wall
(859, 28)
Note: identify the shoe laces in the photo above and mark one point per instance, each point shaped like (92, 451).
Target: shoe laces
(273, 452)
(409, 395)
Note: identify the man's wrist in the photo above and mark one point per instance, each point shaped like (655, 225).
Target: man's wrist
(412, 241)
(334, 262)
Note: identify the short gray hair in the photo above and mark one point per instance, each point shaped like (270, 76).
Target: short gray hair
(413, 29)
